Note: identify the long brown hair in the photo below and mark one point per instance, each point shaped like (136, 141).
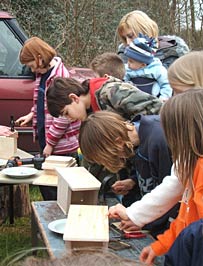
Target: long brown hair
(103, 139)
(182, 120)
(34, 47)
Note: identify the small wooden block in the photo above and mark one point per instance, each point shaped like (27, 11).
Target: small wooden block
(8, 146)
(56, 159)
(86, 226)
(76, 186)
(52, 166)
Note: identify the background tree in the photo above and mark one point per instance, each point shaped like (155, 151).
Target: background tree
(80, 29)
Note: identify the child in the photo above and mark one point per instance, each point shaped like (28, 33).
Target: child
(181, 118)
(106, 139)
(108, 64)
(186, 72)
(146, 71)
(67, 97)
(55, 136)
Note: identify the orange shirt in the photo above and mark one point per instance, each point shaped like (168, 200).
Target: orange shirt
(191, 209)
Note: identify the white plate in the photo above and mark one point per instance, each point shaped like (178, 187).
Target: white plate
(2, 162)
(58, 226)
(20, 172)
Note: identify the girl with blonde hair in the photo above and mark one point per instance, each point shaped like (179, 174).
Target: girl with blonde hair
(186, 72)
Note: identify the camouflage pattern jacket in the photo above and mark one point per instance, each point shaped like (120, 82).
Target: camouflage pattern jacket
(126, 99)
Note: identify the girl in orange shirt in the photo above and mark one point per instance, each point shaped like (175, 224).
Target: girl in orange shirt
(182, 121)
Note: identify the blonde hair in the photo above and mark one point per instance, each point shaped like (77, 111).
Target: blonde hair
(187, 70)
(35, 47)
(182, 120)
(108, 63)
(104, 139)
(138, 22)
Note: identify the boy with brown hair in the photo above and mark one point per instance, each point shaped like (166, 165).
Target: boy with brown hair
(108, 64)
(68, 98)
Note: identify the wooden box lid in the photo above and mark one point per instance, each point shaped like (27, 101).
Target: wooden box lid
(78, 178)
(52, 166)
(87, 223)
(57, 159)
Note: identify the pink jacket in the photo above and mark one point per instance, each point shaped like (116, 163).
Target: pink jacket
(60, 132)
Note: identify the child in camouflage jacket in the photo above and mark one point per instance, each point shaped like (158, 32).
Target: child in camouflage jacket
(67, 97)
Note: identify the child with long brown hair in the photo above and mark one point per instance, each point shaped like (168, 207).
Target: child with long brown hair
(181, 118)
(57, 136)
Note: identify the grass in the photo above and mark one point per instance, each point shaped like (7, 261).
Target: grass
(17, 237)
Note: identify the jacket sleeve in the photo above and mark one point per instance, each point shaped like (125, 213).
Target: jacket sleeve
(156, 203)
(186, 216)
(127, 100)
(56, 130)
(162, 79)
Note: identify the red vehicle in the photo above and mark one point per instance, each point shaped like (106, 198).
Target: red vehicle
(17, 81)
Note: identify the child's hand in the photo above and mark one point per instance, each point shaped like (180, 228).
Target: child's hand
(123, 186)
(128, 225)
(47, 150)
(24, 120)
(118, 211)
(147, 256)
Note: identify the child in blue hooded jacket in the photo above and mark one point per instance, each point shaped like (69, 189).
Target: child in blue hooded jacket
(146, 71)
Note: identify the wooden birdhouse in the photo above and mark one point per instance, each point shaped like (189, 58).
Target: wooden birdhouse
(86, 226)
(76, 185)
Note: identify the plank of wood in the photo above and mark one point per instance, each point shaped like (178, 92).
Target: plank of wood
(46, 179)
(87, 223)
(23, 154)
(56, 159)
(118, 226)
(52, 166)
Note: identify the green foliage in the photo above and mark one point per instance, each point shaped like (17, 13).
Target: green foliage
(14, 237)
(81, 29)
(35, 194)
(17, 237)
